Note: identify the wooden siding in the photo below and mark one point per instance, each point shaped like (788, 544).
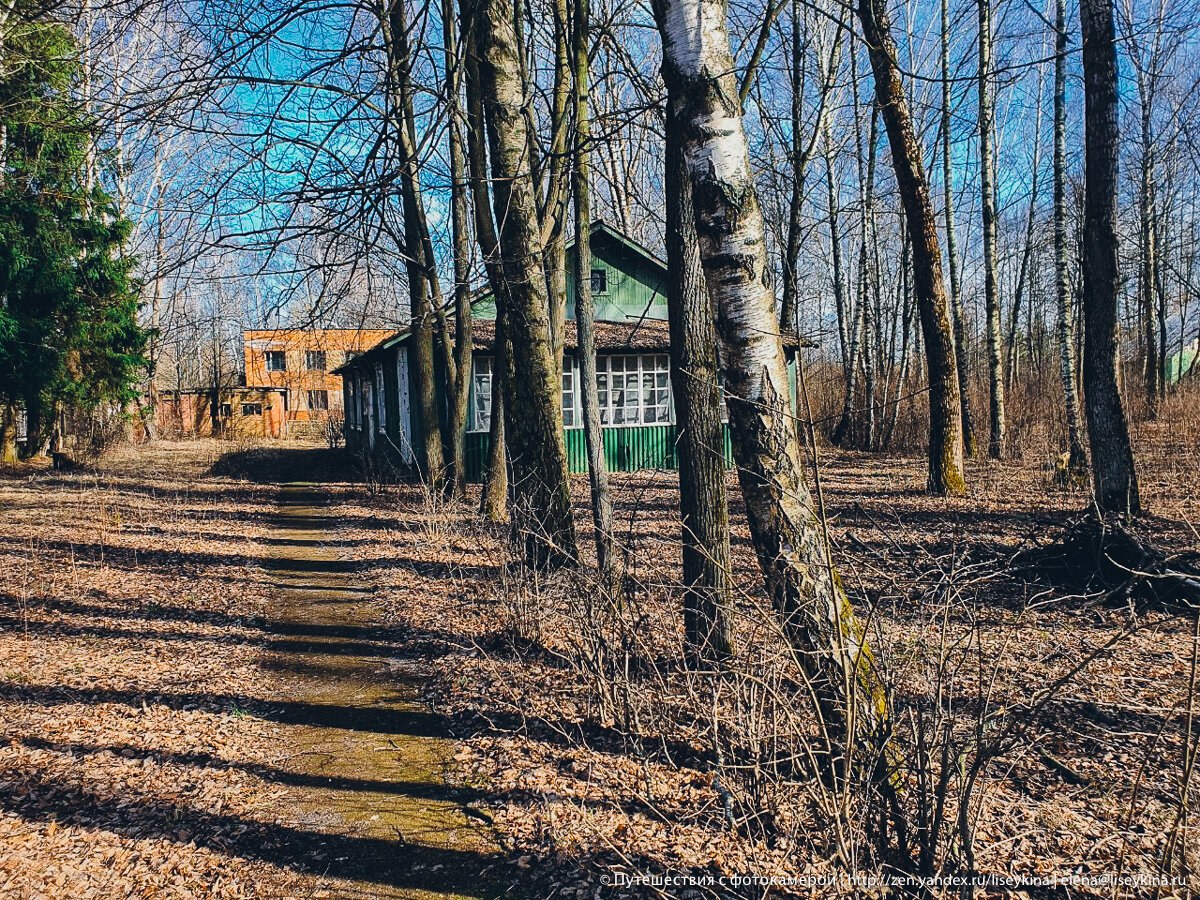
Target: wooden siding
(626, 449)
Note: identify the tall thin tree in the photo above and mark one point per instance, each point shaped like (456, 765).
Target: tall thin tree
(1115, 479)
(585, 313)
(945, 407)
(533, 425)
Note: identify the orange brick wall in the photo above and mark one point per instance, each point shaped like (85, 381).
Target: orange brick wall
(296, 377)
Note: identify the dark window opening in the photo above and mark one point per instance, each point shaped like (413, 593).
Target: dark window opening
(318, 401)
(599, 281)
(276, 361)
(252, 409)
(314, 360)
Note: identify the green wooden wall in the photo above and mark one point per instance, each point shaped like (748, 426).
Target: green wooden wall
(626, 449)
(636, 286)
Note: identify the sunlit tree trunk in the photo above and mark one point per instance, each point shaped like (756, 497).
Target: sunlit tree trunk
(419, 263)
(945, 409)
(602, 513)
(493, 500)
(987, 187)
(533, 428)
(1115, 487)
(461, 252)
(955, 298)
(1062, 279)
(785, 523)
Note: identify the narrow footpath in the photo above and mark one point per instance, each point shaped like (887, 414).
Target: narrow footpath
(385, 822)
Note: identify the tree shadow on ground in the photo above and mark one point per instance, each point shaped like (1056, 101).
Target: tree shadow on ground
(283, 464)
(394, 863)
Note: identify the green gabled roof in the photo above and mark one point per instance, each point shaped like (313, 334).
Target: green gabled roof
(600, 229)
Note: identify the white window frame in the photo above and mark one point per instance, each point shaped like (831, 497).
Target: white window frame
(652, 364)
(478, 378)
(570, 392)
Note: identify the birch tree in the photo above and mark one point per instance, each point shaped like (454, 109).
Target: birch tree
(785, 523)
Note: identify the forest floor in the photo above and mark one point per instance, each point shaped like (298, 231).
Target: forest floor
(170, 653)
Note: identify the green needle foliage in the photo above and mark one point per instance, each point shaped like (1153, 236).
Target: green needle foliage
(69, 333)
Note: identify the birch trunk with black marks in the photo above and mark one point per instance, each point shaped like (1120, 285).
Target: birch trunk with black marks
(1064, 323)
(955, 296)
(541, 503)
(945, 408)
(991, 288)
(1115, 481)
(419, 263)
(700, 444)
(585, 313)
(785, 523)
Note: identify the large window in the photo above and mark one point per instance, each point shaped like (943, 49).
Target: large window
(314, 360)
(318, 401)
(634, 390)
(276, 361)
(569, 400)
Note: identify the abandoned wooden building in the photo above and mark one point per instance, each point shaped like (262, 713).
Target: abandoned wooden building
(633, 373)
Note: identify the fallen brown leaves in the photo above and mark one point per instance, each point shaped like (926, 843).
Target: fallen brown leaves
(127, 658)
(1092, 786)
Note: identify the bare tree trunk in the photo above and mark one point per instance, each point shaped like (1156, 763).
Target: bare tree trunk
(955, 298)
(945, 408)
(461, 251)
(785, 523)
(533, 395)
(991, 288)
(8, 432)
(493, 501)
(1062, 283)
(419, 262)
(554, 202)
(1024, 276)
(852, 311)
(1115, 487)
(602, 512)
(695, 384)
(1149, 268)
(791, 253)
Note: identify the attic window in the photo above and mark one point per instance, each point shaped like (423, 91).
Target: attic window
(599, 281)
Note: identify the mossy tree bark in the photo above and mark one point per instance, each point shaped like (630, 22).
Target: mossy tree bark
(541, 502)
(945, 403)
